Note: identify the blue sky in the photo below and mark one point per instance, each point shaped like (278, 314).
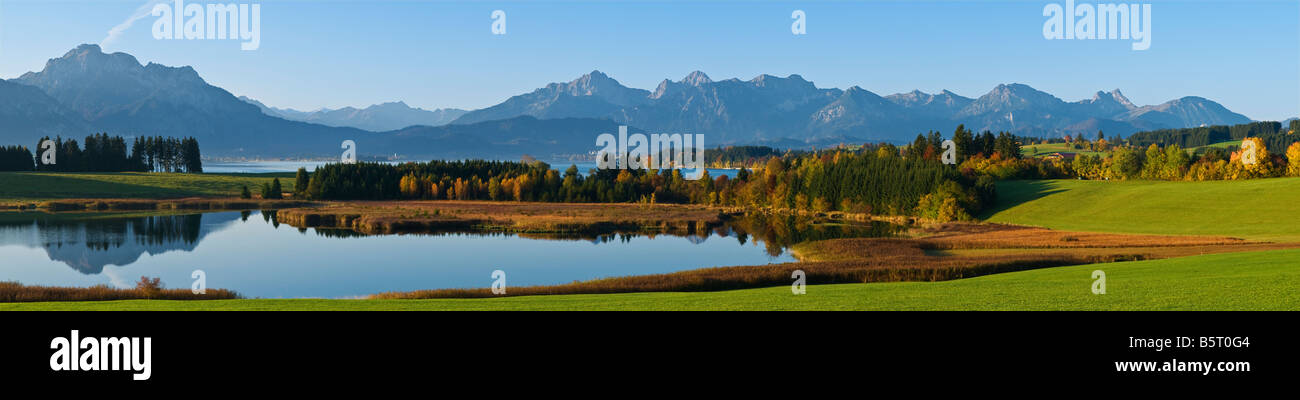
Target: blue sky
(432, 54)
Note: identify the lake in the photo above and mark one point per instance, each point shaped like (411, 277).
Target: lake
(253, 254)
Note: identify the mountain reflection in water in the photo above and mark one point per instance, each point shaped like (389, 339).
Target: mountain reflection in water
(256, 256)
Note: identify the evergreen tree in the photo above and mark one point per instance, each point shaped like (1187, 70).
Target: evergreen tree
(300, 183)
(16, 158)
(965, 141)
(276, 191)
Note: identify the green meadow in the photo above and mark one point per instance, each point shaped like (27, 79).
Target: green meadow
(1039, 150)
(1261, 209)
(34, 186)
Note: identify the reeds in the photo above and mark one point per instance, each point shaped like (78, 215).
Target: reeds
(12, 292)
(418, 216)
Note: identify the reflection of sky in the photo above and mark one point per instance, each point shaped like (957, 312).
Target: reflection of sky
(261, 261)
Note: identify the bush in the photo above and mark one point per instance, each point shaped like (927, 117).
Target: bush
(150, 287)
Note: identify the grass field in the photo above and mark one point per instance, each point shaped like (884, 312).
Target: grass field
(33, 186)
(1262, 209)
(1038, 150)
(1231, 145)
(1236, 281)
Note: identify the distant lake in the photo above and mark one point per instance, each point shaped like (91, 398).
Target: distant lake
(250, 252)
(292, 166)
(251, 167)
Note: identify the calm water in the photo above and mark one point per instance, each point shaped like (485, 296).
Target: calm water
(248, 167)
(251, 253)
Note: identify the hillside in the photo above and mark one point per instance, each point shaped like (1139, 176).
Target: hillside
(1261, 209)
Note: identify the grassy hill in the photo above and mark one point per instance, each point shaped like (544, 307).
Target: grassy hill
(1261, 209)
(1039, 150)
(1235, 281)
(1230, 145)
(29, 186)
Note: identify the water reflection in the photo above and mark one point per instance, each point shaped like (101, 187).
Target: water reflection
(88, 242)
(263, 259)
(776, 232)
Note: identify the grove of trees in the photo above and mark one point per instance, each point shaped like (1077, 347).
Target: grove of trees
(870, 179)
(103, 153)
(16, 158)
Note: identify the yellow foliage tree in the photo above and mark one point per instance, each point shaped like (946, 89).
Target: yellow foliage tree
(1293, 159)
(1252, 161)
(410, 186)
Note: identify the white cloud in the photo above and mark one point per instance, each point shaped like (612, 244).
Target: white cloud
(141, 12)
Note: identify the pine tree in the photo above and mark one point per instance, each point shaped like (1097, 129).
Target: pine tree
(300, 183)
(276, 191)
(245, 194)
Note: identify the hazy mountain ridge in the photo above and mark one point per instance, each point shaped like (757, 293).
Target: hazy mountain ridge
(505, 139)
(114, 93)
(376, 118)
(769, 107)
(28, 110)
(87, 91)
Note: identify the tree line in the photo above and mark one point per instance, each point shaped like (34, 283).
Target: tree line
(15, 158)
(104, 153)
(1208, 135)
(929, 146)
(870, 179)
(1172, 162)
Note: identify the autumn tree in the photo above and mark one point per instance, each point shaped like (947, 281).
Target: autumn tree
(1293, 157)
(1253, 160)
(1125, 163)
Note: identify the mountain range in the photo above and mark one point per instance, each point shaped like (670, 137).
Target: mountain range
(377, 118)
(770, 107)
(87, 90)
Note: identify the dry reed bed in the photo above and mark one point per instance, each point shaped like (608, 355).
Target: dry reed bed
(370, 223)
(408, 216)
(11, 292)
